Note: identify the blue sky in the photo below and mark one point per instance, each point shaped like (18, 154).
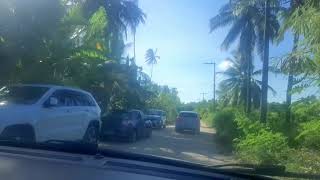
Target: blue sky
(179, 30)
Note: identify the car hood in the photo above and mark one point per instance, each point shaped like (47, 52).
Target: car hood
(6, 106)
(11, 111)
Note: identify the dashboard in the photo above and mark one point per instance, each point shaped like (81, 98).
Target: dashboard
(22, 163)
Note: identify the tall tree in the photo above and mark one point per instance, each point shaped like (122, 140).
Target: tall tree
(123, 15)
(245, 18)
(289, 65)
(151, 59)
(233, 89)
(265, 65)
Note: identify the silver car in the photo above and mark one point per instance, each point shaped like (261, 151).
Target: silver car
(188, 120)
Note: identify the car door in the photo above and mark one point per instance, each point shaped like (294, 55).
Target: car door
(140, 123)
(78, 122)
(53, 124)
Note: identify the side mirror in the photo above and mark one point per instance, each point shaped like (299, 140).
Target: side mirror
(52, 101)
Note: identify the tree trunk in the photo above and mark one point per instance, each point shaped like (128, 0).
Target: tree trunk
(249, 94)
(290, 80)
(288, 98)
(151, 71)
(265, 67)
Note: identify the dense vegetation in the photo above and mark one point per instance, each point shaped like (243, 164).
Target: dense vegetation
(288, 133)
(81, 43)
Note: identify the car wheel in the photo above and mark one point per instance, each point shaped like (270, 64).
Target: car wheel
(91, 135)
(133, 136)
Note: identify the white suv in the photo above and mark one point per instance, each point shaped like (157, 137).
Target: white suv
(42, 113)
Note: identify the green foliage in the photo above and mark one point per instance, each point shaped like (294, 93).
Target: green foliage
(204, 110)
(248, 126)
(306, 109)
(263, 147)
(309, 135)
(303, 160)
(165, 99)
(225, 125)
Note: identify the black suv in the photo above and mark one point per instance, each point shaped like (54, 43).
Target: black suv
(130, 125)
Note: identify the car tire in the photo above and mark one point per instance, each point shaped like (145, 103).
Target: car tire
(92, 135)
(133, 136)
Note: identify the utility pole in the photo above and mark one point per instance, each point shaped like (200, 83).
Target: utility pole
(203, 95)
(214, 83)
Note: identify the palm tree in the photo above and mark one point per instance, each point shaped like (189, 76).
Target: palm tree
(233, 89)
(151, 59)
(270, 29)
(289, 64)
(123, 15)
(245, 20)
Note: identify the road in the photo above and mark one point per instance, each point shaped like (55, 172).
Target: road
(166, 142)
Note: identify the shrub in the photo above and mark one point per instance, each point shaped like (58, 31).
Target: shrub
(303, 161)
(309, 135)
(264, 147)
(306, 110)
(247, 126)
(226, 127)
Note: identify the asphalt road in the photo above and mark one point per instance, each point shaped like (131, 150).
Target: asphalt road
(200, 148)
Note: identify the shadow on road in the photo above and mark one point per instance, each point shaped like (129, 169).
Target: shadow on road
(185, 146)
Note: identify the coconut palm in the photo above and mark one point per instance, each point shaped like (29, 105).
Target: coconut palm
(246, 20)
(233, 89)
(151, 59)
(123, 15)
(290, 65)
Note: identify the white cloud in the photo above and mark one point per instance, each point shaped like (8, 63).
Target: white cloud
(224, 65)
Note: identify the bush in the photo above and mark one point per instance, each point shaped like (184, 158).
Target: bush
(306, 110)
(263, 147)
(247, 126)
(303, 161)
(309, 135)
(225, 125)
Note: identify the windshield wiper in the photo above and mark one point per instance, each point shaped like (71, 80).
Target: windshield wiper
(267, 170)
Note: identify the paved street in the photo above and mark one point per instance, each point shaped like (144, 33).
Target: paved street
(166, 142)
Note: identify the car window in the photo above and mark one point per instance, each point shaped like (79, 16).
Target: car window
(184, 114)
(60, 96)
(90, 100)
(22, 94)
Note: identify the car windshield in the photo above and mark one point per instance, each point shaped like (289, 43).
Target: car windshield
(211, 82)
(185, 114)
(21, 94)
(155, 112)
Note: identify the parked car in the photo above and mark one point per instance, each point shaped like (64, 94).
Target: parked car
(157, 117)
(130, 125)
(188, 120)
(42, 113)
